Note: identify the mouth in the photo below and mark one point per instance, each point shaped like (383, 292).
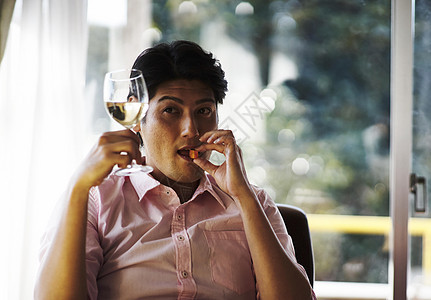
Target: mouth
(189, 153)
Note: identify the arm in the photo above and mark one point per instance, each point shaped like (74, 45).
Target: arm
(277, 275)
(62, 273)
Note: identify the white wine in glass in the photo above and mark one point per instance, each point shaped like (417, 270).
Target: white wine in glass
(126, 101)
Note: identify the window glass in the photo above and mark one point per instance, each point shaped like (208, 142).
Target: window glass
(327, 140)
(421, 163)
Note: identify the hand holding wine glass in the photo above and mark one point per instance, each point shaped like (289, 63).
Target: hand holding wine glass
(126, 101)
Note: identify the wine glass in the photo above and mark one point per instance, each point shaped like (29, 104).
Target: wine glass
(126, 101)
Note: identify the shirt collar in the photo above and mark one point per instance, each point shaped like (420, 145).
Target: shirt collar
(208, 184)
(143, 182)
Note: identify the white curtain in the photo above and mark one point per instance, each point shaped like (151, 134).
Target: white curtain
(42, 119)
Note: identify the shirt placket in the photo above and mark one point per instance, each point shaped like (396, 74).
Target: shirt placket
(180, 237)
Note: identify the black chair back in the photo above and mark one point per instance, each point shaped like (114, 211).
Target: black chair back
(296, 223)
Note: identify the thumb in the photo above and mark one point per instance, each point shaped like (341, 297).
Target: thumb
(205, 165)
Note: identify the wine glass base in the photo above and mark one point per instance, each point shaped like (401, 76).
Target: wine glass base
(130, 170)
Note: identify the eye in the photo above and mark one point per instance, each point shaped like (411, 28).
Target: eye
(205, 111)
(170, 110)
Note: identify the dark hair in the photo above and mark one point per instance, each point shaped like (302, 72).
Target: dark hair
(181, 60)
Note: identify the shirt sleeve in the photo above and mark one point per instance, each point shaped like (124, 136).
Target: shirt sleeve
(277, 223)
(94, 252)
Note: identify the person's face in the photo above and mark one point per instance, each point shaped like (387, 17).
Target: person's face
(179, 113)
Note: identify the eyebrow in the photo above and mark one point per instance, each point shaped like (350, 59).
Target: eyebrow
(180, 101)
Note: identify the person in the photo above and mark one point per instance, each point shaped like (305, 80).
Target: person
(189, 229)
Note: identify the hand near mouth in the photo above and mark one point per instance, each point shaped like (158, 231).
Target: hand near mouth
(231, 175)
(190, 152)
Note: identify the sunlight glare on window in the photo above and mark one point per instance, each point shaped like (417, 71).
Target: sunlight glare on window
(107, 13)
(152, 34)
(187, 7)
(244, 8)
(300, 166)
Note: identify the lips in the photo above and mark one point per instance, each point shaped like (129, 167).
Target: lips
(185, 152)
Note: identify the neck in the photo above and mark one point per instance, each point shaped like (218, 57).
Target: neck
(184, 190)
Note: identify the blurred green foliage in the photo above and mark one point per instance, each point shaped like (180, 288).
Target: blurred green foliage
(338, 112)
(421, 159)
(422, 90)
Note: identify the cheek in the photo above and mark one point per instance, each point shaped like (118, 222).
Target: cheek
(157, 137)
(208, 125)
(156, 128)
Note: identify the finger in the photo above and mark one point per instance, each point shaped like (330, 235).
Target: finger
(122, 160)
(123, 148)
(123, 138)
(225, 139)
(115, 136)
(210, 147)
(205, 165)
(211, 136)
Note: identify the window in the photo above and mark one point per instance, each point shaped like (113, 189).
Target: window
(308, 101)
(309, 89)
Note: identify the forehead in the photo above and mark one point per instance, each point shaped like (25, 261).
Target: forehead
(184, 88)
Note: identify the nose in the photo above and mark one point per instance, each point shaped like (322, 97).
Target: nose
(189, 127)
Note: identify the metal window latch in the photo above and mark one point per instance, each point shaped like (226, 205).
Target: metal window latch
(419, 190)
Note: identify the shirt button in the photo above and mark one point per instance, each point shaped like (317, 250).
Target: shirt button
(184, 274)
(167, 192)
(179, 217)
(181, 238)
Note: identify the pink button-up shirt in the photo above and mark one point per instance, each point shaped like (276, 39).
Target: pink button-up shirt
(143, 243)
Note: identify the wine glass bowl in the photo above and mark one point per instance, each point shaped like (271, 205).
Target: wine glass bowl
(126, 101)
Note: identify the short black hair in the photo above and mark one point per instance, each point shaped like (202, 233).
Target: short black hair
(181, 60)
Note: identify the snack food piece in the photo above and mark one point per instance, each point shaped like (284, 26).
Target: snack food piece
(193, 154)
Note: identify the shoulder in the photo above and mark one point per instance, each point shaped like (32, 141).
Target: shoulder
(104, 194)
(108, 190)
(263, 197)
